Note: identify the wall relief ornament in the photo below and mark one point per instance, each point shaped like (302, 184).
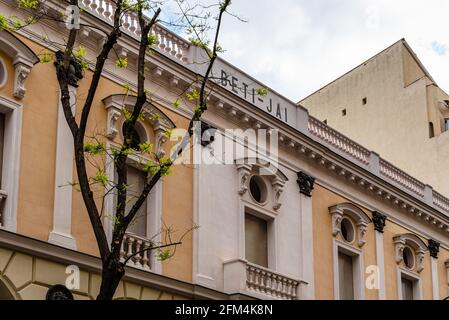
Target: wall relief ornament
(356, 214)
(305, 183)
(434, 248)
(379, 221)
(414, 242)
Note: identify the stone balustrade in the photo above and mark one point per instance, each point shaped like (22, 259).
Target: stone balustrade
(134, 245)
(440, 201)
(267, 282)
(168, 42)
(338, 140)
(259, 282)
(390, 171)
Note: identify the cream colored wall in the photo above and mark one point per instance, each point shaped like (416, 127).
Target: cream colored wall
(323, 244)
(323, 252)
(38, 148)
(37, 173)
(394, 122)
(443, 273)
(28, 278)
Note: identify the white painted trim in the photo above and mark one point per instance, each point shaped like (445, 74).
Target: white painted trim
(5, 79)
(417, 285)
(306, 267)
(435, 283)
(381, 264)
(11, 160)
(62, 210)
(358, 269)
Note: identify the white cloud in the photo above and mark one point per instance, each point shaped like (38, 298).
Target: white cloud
(297, 46)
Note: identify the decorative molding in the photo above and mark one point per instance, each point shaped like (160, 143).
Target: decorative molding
(434, 248)
(278, 189)
(355, 213)
(248, 166)
(23, 59)
(244, 172)
(21, 74)
(379, 220)
(114, 104)
(413, 242)
(305, 183)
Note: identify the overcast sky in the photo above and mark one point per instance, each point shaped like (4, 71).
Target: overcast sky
(298, 46)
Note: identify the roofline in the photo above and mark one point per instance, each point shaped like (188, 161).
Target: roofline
(407, 46)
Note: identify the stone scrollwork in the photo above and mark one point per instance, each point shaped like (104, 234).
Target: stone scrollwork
(361, 230)
(275, 179)
(113, 116)
(159, 121)
(244, 172)
(23, 59)
(21, 74)
(356, 214)
(413, 242)
(278, 189)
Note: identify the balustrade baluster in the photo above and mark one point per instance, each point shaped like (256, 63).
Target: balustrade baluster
(94, 5)
(145, 259)
(130, 250)
(101, 6)
(138, 257)
(108, 9)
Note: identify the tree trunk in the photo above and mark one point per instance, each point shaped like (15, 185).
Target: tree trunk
(113, 271)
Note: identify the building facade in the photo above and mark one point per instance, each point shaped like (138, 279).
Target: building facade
(391, 104)
(319, 217)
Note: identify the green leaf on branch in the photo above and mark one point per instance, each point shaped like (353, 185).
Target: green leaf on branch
(152, 39)
(177, 103)
(263, 92)
(122, 63)
(101, 177)
(45, 57)
(95, 148)
(146, 147)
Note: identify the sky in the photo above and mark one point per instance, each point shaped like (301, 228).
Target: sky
(297, 46)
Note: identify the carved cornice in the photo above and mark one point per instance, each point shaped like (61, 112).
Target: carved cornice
(379, 221)
(305, 183)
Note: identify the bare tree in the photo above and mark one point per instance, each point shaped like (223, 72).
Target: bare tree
(195, 18)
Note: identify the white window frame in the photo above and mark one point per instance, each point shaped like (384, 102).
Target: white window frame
(271, 231)
(154, 206)
(417, 283)
(358, 269)
(11, 161)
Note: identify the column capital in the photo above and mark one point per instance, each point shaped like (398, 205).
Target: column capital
(306, 183)
(434, 248)
(379, 221)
